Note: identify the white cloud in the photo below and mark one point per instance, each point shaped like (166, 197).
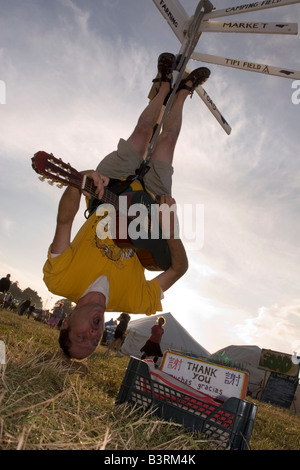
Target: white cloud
(274, 328)
(6, 225)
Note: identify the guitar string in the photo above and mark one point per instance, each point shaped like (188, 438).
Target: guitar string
(109, 197)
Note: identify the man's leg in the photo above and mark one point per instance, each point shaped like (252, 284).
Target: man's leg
(141, 136)
(167, 140)
(130, 153)
(118, 347)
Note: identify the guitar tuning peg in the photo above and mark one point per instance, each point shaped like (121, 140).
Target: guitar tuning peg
(60, 185)
(42, 178)
(51, 183)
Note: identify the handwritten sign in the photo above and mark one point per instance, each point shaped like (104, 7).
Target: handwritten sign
(274, 361)
(213, 379)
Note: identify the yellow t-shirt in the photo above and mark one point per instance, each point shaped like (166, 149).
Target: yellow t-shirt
(87, 258)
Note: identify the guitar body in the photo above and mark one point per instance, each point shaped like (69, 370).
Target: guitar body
(144, 236)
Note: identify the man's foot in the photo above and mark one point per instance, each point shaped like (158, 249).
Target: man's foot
(107, 353)
(118, 354)
(165, 66)
(195, 78)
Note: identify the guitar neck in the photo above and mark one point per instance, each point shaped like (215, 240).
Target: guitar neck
(87, 184)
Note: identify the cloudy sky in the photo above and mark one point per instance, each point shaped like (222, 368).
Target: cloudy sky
(77, 74)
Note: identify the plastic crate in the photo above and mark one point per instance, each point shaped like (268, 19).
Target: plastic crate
(229, 424)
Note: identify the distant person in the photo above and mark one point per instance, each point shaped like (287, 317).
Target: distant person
(24, 306)
(2, 297)
(5, 283)
(116, 343)
(8, 300)
(56, 315)
(152, 345)
(109, 330)
(110, 322)
(30, 310)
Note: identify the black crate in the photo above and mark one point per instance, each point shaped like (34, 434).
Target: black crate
(229, 424)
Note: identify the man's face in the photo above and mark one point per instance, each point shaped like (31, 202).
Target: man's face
(86, 325)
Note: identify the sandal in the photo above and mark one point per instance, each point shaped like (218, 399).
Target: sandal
(165, 66)
(197, 77)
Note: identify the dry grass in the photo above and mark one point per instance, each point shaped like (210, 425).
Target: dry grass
(48, 402)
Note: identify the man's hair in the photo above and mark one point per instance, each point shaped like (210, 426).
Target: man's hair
(64, 340)
(125, 316)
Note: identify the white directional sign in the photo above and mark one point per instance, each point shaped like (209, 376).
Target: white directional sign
(175, 15)
(246, 65)
(213, 109)
(247, 27)
(248, 7)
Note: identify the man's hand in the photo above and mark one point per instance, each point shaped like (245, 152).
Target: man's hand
(99, 180)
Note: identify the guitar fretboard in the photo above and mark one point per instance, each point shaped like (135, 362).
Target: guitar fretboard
(108, 197)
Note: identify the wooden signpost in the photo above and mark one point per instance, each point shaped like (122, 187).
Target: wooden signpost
(189, 29)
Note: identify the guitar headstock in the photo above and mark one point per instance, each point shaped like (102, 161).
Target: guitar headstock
(54, 169)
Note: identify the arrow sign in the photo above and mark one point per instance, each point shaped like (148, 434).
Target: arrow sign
(211, 106)
(213, 109)
(246, 65)
(248, 7)
(175, 15)
(247, 27)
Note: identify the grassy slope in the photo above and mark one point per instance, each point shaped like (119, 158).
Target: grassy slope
(49, 403)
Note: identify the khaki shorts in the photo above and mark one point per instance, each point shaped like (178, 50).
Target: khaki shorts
(124, 161)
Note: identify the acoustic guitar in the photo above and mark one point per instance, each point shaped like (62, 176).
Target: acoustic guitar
(150, 246)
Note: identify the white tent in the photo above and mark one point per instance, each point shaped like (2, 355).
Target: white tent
(247, 358)
(175, 337)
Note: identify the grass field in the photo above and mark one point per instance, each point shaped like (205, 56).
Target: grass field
(50, 403)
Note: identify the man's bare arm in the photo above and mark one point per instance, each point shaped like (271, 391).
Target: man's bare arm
(179, 261)
(68, 208)
(179, 265)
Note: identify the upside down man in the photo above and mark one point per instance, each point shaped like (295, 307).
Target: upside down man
(96, 274)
